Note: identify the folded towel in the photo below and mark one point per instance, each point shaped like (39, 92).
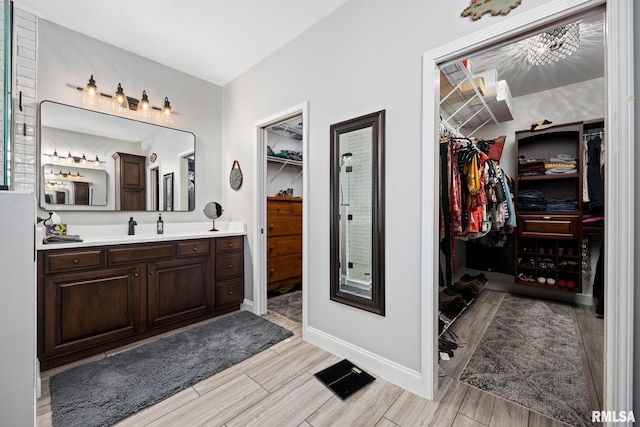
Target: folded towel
(66, 238)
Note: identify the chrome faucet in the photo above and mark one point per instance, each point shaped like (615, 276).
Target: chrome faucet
(132, 224)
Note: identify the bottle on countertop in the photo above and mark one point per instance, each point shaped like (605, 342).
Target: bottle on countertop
(160, 225)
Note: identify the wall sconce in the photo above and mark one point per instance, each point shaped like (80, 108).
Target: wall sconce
(123, 103)
(90, 94)
(166, 115)
(144, 107)
(119, 101)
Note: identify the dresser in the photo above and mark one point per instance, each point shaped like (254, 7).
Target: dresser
(284, 242)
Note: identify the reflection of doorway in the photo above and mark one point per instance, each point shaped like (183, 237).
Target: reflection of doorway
(618, 339)
(281, 144)
(154, 188)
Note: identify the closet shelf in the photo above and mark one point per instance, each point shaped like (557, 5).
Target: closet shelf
(275, 159)
(467, 104)
(549, 177)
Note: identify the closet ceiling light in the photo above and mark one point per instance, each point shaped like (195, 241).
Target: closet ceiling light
(554, 45)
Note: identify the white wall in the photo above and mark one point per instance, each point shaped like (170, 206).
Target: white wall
(364, 57)
(66, 59)
(636, 347)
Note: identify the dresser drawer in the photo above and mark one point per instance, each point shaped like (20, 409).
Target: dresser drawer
(284, 245)
(297, 208)
(228, 244)
(279, 208)
(284, 267)
(229, 292)
(229, 266)
(188, 248)
(135, 253)
(549, 226)
(55, 262)
(282, 226)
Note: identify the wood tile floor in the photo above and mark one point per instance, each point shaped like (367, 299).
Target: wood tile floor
(277, 388)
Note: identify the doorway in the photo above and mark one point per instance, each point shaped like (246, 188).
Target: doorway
(280, 236)
(618, 339)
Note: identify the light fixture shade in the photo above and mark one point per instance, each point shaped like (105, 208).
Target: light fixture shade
(90, 94)
(119, 102)
(144, 107)
(554, 45)
(166, 115)
(97, 161)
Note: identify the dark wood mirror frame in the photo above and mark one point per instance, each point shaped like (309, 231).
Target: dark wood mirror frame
(375, 121)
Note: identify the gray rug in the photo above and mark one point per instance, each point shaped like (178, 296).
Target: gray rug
(288, 305)
(529, 355)
(106, 391)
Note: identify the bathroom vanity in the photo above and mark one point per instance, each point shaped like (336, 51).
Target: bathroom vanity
(109, 291)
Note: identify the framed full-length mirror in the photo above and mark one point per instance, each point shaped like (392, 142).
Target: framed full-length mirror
(94, 161)
(357, 212)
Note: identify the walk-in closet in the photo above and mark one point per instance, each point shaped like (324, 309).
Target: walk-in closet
(284, 154)
(522, 157)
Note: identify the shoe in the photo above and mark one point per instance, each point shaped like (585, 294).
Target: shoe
(561, 283)
(542, 280)
(570, 285)
(551, 281)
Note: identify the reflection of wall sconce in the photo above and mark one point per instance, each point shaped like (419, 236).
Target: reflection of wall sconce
(345, 161)
(123, 103)
(74, 159)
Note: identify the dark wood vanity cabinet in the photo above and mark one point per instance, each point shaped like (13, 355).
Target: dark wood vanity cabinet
(130, 182)
(98, 298)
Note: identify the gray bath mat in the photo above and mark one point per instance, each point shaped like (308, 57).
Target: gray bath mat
(106, 391)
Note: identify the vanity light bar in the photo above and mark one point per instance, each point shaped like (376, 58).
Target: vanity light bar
(121, 102)
(75, 159)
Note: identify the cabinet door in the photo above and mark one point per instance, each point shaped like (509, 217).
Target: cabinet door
(132, 200)
(82, 310)
(178, 290)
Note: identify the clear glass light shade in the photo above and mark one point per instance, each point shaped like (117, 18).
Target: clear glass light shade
(90, 94)
(119, 101)
(554, 45)
(144, 109)
(166, 115)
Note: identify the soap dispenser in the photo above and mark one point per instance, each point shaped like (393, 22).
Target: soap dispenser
(160, 225)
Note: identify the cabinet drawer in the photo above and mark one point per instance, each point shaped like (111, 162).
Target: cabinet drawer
(279, 208)
(71, 261)
(229, 292)
(193, 248)
(551, 226)
(228, 244)
(297, 208)
(284, 267)
(281, 226)
(284, 245)
(229, 266)
(135, 253)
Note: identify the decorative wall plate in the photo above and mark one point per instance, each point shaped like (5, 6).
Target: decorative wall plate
(477, 8)
(235, 176)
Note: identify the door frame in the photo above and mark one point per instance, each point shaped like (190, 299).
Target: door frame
(260, 197)
(619, 228)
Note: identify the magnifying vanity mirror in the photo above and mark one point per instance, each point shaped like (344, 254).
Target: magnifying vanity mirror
(357, 212)
(93, 161)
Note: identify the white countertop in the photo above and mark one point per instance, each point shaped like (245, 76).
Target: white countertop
(99, 235)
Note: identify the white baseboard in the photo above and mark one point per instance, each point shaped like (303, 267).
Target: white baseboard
(247, 306)
(375, 365)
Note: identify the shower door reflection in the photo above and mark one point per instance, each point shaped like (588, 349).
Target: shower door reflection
(355, 212)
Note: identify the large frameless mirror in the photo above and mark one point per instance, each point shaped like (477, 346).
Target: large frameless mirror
(90, 160)
(357, 212)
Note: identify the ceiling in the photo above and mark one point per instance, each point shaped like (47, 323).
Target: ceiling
(215, 40)
(523, 78)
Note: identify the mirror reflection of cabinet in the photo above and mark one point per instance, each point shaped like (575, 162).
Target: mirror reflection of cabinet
(130, 182)
(357, 212)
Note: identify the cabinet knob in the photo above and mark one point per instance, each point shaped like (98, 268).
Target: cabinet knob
(195, 249)
(278, 208)
(76, 261)
(271, 247)
(271, 227)
(151, 272)
(546, 217)
(135, 274)
(230, 293)
(272, 271)
(230, 265)
(230, 245)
